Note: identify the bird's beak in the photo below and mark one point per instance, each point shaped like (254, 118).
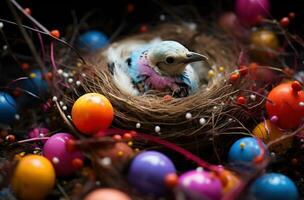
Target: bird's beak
(193, 57)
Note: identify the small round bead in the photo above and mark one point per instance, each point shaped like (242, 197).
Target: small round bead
(138, 125)
(202, 121)
(188, 116)
(157, 129)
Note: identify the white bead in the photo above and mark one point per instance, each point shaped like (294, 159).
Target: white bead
(157, 129)
(55, 98)
(214, 107)
(138, 125)
(78, 83)
(202, 121)
(199, 169)
(17, 117)
(70, 80)
(55, 160)
(83, 75)
(64, 107)
(69, 116)
(59, 71)
(61, 103)
(301, 103)
(1, 25)
(162, 17)
(65, 75)
(252, 97)
(188, 115)
(106, 161)
(5, 47)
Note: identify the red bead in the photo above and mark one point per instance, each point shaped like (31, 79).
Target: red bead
(25, 66)
(284, 21)
(71, 145)
(127, 136)
(171, 180)
(241, 100)
(117, 138)
(130, 8)
(243, 70)
(77, 163)
(133, 133)
(10, 138)
(55, 33)
(28, 11)
(168, 98)
(291, 15)
(234, 77)
(143, 28)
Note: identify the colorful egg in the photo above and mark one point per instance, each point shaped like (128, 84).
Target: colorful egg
(229, 181)
(148, 171)
(8, 108)
(198, 185)
(92, 40)
(107, 194)
(274, 186)
(267, 131)
(244, 151)
(55, 150)
(250, 11)
(264, 44)
(286, 104)
(33, 178)
(92, 113)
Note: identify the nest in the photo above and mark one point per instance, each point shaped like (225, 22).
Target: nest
(212, 109)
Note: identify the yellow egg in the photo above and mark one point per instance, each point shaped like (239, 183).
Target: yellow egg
(33, 178)
(229, 181)
(267, 132)
(264, 43)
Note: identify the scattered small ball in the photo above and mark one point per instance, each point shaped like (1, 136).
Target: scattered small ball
(274, 186)
(98, 113)
(33, 178)
(243, 152)
(106, 194)
(120, 151)
(8, 108)
(157, 129)
(200, 185)
(148, 171)
(284, 102)
(202, 121)
(92, 40)
(56, 147)
(188, 115)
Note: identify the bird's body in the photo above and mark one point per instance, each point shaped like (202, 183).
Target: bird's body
(163, 66)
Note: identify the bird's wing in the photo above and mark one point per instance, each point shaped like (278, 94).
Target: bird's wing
(117, 56)
(190, 77)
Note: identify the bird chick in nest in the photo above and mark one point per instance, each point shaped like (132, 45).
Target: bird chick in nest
(163, 66)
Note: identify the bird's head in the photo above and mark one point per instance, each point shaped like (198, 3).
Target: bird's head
(170, 57)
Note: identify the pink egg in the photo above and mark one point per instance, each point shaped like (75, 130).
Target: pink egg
(249, 11)
(107, 194)
(55, 150)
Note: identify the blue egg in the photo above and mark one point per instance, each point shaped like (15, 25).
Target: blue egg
(148, 171)
(35, 89)
(244, 151)
(274, 186)
(8, 109)
(92, 40)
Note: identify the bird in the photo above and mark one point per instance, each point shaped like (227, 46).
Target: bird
(158, 65)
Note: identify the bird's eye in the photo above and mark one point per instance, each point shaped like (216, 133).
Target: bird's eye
(169, 60)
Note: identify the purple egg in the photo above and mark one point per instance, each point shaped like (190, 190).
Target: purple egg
(249, 11)
(148, 171)
(38, 133)
(55, 150)
(200, 185)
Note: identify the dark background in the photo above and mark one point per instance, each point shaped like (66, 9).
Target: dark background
(110, 15)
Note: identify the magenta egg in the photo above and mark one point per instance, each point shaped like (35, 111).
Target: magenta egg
(55, 150)
(200, 185)
(249, 11)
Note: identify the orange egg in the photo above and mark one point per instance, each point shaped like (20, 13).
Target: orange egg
(229, 181)
(92, 112)
(267, 132)
(107, 194)
(33, 178)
